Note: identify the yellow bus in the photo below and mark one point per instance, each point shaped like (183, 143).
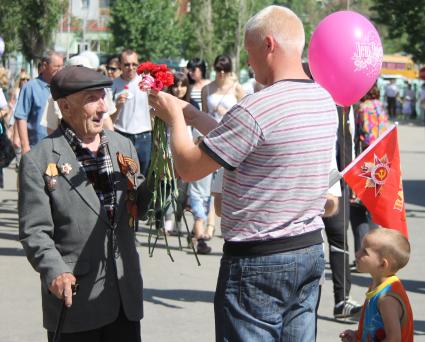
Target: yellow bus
(399, 65)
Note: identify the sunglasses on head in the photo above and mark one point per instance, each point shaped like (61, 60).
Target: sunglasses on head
(128, 65)
(109, 68)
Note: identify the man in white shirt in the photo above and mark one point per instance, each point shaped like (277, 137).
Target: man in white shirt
(391, 92)
(132, 118)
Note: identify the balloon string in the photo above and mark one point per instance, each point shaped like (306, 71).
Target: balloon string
(344, 200)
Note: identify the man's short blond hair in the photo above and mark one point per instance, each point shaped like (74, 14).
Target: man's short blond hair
(392, 245)
(280, 22)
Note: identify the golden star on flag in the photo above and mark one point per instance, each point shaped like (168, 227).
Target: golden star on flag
(376, 173)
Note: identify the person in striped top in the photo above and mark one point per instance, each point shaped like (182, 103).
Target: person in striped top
(198, 79)
(276, 147)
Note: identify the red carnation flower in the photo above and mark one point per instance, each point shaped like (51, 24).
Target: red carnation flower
(145, 67)
(155, 76)
(165, 77)
(158, 85)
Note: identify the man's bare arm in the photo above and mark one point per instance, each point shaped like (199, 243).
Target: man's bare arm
(203, 122)
(23, 135)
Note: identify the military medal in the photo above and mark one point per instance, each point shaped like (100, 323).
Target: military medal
(51, 176)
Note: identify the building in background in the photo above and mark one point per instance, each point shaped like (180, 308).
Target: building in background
(84, 27)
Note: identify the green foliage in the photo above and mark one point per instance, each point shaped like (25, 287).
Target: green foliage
(39, 19)
(214, 27)
(9, 23)
(405, 21)
(149, 27)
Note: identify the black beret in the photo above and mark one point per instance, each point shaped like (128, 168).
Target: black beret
(72, 79)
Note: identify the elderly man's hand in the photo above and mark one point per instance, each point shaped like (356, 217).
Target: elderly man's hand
(166, 106)
(61, 287)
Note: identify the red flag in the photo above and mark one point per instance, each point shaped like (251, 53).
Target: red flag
(375, 177)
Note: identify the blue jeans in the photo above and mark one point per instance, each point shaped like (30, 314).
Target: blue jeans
(143, 144)
(269, 298)
(200, 207)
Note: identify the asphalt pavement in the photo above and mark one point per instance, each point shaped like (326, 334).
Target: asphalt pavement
(179, 295)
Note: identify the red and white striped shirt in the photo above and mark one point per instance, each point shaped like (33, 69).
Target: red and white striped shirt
(276, 146)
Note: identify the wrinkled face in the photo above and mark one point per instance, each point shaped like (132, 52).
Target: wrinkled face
(50, 69)
(179, 90)
(113, 70)
(195, 74)
(129, 64)
(84, 111)
(256, 58)
(367, 258)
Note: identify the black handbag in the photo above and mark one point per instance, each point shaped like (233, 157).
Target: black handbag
(7, 152)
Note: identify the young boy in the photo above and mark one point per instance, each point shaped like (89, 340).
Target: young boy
(386, 313)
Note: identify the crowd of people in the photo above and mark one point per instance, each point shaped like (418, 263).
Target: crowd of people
(256, 154)
(404, 101)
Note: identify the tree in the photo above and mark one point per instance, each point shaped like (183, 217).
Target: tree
(39, 20)
(149, 27)
(404, 20)
(214, 27)
(198, 31)
(9, 23)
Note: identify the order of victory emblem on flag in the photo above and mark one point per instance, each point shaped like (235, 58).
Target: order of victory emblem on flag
(376, 173)
(375, 177)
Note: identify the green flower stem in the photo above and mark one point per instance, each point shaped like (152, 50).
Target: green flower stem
(161, 174)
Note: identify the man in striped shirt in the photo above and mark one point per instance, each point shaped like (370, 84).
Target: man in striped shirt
(276, 147)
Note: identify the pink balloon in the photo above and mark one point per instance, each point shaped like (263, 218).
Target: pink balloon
(345, 56)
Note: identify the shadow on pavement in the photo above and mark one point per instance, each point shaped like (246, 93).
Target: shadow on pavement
(8, 236)
(351, 320)
(416, 286)
(156, 296)
(9, 223)
(11, 251)
(413, 192)
(419, 327)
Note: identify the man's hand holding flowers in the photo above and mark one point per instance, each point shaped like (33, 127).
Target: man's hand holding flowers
(167, 107)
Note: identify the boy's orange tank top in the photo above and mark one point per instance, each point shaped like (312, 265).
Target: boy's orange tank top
(371, 326)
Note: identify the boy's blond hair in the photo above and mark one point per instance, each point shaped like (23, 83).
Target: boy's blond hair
(393, 246)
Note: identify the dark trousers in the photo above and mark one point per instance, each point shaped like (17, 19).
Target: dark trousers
(334, 228)
(361, 223)
(391, 103)
(120, 330)
(143, 144)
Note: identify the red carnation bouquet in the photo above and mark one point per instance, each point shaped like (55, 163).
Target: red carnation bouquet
(160, 177)
(155, 76)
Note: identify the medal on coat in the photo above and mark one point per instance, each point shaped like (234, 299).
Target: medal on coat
(50, 176)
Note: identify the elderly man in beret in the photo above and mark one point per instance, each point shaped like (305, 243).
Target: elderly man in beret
(79, 197)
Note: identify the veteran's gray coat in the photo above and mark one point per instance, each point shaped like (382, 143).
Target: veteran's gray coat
(67, 230)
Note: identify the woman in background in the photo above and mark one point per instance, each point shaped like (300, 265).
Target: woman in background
(224, 92)
(14, 95)
(113, 67)
(197, 78)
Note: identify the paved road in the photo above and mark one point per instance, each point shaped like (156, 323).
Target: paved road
(179, 295)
